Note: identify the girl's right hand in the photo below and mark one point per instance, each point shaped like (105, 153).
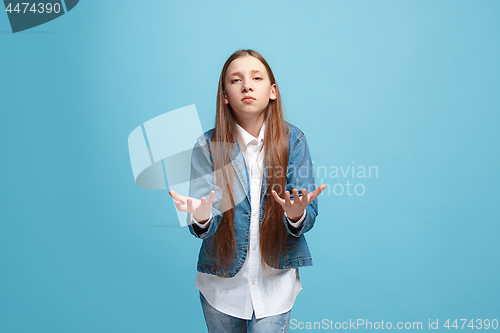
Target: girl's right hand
(201, 209)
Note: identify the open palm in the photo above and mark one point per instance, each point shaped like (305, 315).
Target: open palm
(295, 208)
(201, 209)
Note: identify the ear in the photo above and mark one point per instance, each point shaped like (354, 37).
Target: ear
(225, 99)
(273, 92)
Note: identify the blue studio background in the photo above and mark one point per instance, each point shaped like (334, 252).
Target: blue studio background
(410, 87)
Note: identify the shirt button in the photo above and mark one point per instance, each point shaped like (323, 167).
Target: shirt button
(254, 214)
(253, 281)
(254, 247)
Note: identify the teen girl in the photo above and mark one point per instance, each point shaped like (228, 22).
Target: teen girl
(252, 244)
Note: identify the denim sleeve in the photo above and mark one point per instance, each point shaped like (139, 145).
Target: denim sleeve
(300, 175)
(200, 184)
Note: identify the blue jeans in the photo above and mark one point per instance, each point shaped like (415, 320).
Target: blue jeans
(218, 322)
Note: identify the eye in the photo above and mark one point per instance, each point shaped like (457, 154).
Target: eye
(258, 78)
(232, 81)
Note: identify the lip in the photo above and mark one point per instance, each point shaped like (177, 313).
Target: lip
(247, 99)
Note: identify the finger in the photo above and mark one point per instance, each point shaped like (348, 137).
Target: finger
(203, 201)
(288, 203)
(316, 192)
(211, 197)
(304, 199)
(320, 189)
(313, 195)
(277, 198)
(179, 206)
(173, 194)
(296, 198)
(176, 196)
(190, 208)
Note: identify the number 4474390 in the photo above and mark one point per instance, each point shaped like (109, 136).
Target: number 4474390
(35, 8)
(485, 324)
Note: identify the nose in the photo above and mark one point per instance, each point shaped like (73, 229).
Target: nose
(247, 87)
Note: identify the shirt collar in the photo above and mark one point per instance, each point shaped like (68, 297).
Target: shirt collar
(247, 137)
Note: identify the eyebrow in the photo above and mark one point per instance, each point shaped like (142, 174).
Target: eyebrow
(238, 73)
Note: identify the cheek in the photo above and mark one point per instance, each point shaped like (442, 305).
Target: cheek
(229, 99)
(230, 96)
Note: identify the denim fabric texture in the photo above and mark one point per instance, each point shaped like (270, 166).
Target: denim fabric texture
(218, 322)
(299, 175)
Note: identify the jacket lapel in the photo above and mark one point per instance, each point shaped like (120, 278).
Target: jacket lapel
(240, 167)
(264, 185)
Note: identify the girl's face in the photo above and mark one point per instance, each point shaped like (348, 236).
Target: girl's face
(248, 88)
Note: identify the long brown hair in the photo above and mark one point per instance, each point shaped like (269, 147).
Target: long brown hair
(273, 235)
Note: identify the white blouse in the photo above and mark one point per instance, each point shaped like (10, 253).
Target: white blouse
(267, 293)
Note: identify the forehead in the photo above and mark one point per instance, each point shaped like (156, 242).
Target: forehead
(245, 65)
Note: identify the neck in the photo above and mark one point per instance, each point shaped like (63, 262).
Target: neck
(252, 125)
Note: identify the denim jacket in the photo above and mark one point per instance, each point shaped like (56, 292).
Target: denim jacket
(299, 175)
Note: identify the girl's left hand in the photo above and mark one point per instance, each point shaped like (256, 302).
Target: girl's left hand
(295, 208)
